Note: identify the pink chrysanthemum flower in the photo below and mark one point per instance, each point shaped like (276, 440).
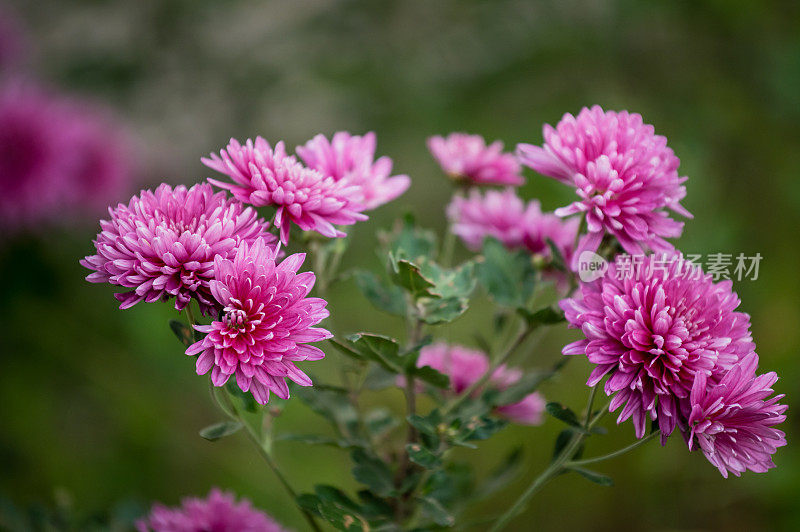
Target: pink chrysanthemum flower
(163, 244)
(625, 175)
(351, 158)
(504, 216)
(219, 512)
(33, 148)
(652, 326)
(62, 159)
(467, 157)
(267, 320)
(465, 366)
(733, 421)
(263, 176)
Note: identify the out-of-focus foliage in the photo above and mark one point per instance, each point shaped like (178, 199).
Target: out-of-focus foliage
(101, 404)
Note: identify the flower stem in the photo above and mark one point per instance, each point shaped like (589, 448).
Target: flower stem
(554, 469)
(448, 247)
(263, 449)
(616, 453)
(518, 341)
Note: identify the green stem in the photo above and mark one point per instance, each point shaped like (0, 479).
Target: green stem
(231, 411)
(518, 341)
(553, 470)
(616, 453)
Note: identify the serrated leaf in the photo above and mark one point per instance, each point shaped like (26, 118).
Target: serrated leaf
(509, 277)
(433, 510)
(408, 275)
(334, 507)
(184, 333)
(437, 311)
(422, 424)
(543, 316)
(483, 428)
(385, 297)
(563, 414)
(372, 472)
(422, 456)
(378, 348)
(593, 476)
(220, 430)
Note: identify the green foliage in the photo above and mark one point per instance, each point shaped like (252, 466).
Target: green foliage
(372, 472)
(593, 476)
(385, 297)
(220, 430)
(509, 277)
(183, 332)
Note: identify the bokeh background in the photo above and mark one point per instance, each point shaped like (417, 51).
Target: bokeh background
(99, 406)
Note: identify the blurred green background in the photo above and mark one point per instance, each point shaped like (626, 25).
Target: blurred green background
(102, 405)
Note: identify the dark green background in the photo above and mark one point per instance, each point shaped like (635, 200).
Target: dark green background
(103, 404)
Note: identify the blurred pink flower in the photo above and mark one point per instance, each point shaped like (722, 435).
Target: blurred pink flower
(504, 216)
(62, 159)
(624, 174)
(163, 244)
(263, 176)
(467, 157)
(466, 366)
(266, 322)
(652, 328)
(351, 158)
(733, 421)
(219, 512)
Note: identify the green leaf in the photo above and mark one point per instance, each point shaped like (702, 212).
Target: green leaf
(437, 311)
(432, 509)
(372, 472)
(483, 428)
(408, 275)
(509, 277)
(422, 456)
(317, 439)
(220, 430)
(564, 414)
(379, 378)
(409, 241)
(379, 422)
(388, 298)
(184, 333)
(593, 476)
(422, 424)
(246, 399)
(504, 473)
(543, 316)
(335, 507)
(557, 259)
(378, 348)
(431, 376)
(334, 406)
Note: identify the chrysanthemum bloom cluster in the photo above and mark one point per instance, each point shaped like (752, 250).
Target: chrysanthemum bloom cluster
(506, 217)
(61, 159)
(219, 512)
(668, 337)
(266, 322)
(302, 196)
(351, 158)
(467, 158)
(163, 244)
(466, 366)
(732, 421)
(625, 175)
